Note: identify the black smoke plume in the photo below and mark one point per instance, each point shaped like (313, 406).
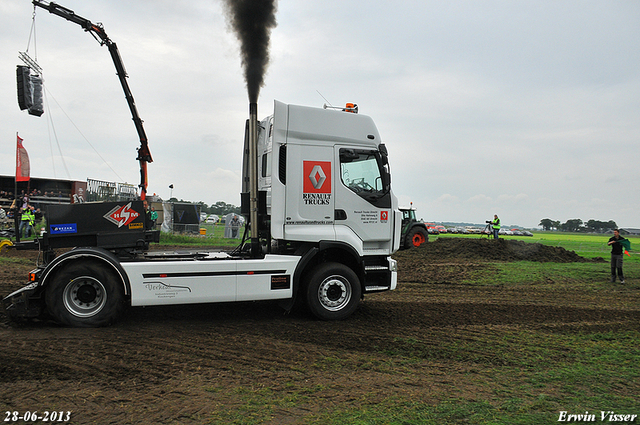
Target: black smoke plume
(252, 21)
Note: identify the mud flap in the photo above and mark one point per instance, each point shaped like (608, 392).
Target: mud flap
(24, 303)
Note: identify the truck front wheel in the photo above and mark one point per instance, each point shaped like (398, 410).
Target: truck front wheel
(333, 291)
(85, 294)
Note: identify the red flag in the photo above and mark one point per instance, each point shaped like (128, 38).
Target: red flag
(22, 162)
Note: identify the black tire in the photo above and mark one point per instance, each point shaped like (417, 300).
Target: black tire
(333, 291)
(85, 294)
(416, 237)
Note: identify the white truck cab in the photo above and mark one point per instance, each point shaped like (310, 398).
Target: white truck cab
(327, 178)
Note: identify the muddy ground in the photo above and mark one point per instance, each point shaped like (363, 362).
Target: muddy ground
(219, 363)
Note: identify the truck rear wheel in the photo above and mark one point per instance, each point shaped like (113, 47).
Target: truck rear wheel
(333, 291)
(85, 294)
(416, 237)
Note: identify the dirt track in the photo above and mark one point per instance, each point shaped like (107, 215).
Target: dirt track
(194, 364)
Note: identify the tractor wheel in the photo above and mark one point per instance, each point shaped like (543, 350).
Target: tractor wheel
(333, 291)
(416, 237)
(5, 245)
(85, 294)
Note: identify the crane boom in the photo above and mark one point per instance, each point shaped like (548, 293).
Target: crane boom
(97, 31)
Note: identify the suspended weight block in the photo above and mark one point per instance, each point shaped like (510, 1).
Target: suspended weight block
(37, 108)
(25, 97)
(29, 91)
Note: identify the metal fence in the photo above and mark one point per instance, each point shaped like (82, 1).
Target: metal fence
(98, 190)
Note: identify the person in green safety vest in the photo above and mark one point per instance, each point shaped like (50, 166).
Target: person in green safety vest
(27, 221)
(495, 224)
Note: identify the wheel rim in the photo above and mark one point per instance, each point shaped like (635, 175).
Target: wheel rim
(84, 296)
(334, 293)
(418, 239)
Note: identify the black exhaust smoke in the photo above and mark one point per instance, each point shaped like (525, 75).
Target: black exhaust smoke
(252, 21)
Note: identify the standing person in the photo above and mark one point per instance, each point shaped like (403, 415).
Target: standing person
(26, 221)
(154, 217)
(495, 224)
(235, 225)
(32, 220)
(147, 214)
(617, 251)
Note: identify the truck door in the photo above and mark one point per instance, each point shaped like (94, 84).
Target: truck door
(363, 199)
(309, 209)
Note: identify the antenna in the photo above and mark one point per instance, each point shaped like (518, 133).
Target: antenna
(325, 99)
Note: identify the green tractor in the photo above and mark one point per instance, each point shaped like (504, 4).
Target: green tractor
(414, 232)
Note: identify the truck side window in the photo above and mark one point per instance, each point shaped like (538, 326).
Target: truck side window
(266, 165)
(363, 173)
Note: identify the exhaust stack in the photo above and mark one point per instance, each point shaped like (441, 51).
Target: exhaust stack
(253, 179)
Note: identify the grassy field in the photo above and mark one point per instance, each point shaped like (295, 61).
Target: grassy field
(509, 343)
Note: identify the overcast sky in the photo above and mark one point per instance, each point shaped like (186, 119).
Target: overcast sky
(525, 109)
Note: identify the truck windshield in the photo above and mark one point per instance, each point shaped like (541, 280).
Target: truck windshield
(363, 173)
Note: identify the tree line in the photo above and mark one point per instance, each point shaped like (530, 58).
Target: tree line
(220, 208)
(577, 225)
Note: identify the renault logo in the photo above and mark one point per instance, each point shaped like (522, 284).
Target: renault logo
(317, 177)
